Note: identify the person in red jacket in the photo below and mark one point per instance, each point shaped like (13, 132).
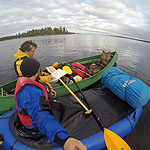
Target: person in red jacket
(28, 96)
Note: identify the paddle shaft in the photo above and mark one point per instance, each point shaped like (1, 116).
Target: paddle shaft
(69, 71)
(52, 69)
(94, 112)
(78, 87)
(74, 95)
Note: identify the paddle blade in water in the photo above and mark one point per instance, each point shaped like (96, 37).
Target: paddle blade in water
(114, 142)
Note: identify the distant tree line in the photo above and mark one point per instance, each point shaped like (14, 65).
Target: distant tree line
(39, 32)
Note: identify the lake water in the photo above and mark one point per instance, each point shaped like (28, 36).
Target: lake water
(133, 59)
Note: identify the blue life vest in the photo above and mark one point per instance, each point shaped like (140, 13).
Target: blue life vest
(134, 91)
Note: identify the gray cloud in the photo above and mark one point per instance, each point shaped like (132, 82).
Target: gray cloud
(119, 17)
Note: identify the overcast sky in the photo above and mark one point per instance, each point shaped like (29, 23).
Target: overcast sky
(115, 17)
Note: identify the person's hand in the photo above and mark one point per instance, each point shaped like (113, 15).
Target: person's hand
(46, 74)
(51, 77)
(52, 92)
(74, 144)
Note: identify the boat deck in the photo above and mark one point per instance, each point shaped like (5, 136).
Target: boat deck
(108, 106)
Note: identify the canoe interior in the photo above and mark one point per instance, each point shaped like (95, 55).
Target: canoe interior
(9, 87)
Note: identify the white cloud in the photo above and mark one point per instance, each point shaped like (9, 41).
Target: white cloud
(126, 17)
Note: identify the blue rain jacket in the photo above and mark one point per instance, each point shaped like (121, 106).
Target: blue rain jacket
(28, 98)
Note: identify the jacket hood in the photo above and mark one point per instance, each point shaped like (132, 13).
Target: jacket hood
(20, 54)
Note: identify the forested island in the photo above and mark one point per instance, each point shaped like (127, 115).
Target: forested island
(39, 32)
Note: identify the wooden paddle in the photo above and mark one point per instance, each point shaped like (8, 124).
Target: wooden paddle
(51, 69)
(112, 140)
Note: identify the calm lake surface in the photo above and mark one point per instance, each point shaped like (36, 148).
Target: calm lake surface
(134, 59)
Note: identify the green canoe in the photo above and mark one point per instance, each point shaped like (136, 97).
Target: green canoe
(7, 101)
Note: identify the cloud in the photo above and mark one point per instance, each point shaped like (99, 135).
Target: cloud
(121, 17)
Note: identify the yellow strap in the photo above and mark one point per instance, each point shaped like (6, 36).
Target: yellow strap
(49, 85)
(43, 73)
(44, 79)
(1, 142)
(18, 64)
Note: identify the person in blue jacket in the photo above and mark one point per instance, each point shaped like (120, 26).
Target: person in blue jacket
(28, 95)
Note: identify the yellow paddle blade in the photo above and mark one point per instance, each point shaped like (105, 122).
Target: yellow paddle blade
(67, 69)
(114, 142)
